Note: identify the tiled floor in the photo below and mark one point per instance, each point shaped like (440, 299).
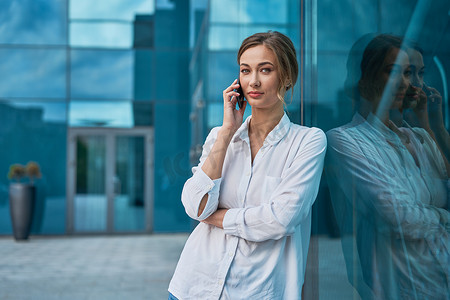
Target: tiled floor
(120, 267)
(125, 267)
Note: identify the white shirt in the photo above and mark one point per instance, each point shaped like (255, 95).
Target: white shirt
(261, 252)
(397, 210)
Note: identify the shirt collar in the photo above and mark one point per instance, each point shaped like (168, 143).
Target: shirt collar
(276, 135)
(385, 131)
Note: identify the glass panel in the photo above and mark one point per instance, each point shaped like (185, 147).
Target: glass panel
(228, 37)
(105, 34)
(33, 22)
(386, 173)
(171, 83)
(144, 76)
(225, 69)
(35, 131)
(102, 74)
(101, 114)
(35, 73)
(143, 113)
(90, 203)
(363, 13)
(129, 198)
(46, 112)
(110, 9)
(250, 11)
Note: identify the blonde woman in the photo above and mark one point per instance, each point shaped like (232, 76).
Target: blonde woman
(253, 188)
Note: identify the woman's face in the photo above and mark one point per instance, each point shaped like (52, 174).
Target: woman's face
(393, 78)
(259, 77)
(416, 83)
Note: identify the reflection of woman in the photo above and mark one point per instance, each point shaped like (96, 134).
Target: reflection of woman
(253, 188)
(425, 102)
(399, 219)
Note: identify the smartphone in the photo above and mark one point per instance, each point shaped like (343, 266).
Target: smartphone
(240, 98)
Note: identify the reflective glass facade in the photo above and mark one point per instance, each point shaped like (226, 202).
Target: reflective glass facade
(91, 88)
(114, 100)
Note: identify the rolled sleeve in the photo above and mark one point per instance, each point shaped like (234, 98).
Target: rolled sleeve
(200, 184)
(195, 188)
(230, 224)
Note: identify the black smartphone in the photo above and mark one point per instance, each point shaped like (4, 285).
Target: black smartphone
(240, 98)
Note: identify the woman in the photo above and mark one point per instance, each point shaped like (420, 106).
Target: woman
(424, 104)
(400, 224)
(253, 188)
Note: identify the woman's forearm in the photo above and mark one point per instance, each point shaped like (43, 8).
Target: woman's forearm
(214, 162)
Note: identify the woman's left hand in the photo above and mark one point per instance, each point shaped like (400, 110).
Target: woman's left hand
(434, 100)
(216, 219)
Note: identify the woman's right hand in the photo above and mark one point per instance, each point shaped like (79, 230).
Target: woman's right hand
(232, 118)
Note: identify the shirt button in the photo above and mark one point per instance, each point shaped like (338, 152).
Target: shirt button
(220, 282)
(230, 254)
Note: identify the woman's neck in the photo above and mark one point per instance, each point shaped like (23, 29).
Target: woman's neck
(263, 121)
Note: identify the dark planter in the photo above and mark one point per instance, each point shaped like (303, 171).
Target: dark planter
(21, 204)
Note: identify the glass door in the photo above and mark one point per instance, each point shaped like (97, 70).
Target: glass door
(129, 178)
(109, 183)
(90, 202)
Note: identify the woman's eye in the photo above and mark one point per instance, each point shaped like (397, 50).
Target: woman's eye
(266, 70)
(245, 71)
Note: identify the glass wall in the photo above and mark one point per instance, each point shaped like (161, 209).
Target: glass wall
(71, 68)
(383, 101)
(33, 105)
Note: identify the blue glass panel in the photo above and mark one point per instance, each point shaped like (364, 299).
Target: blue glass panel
(33, 22)
(36, 131)
(171, 75)
(228, 37)
(144, 76)
(250, 11)
(333, 107)
(222, 70)
(381, 174)
(171, 166)
(110, 9)
(170, 33)
(129, 213)
(35, 73)
(104, 35)
(339, 23)
(102, 74)
(101, 114)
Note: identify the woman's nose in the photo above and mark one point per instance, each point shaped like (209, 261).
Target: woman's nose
(254, 82)
(415, 81)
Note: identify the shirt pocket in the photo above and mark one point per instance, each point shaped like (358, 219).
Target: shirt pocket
(270, 185)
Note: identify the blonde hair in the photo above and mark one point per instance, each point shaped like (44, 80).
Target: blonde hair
(285, 54)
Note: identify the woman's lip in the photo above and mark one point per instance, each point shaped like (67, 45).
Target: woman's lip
(255, 94)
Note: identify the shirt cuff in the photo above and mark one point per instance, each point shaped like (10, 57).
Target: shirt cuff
(229, 223)
(206, 185)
